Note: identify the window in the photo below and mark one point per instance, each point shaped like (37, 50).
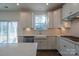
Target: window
(40, 22)
(8, 32)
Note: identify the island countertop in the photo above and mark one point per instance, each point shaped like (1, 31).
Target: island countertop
(19, 49)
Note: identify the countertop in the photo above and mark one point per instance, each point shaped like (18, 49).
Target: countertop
(73, 38)
(19, 49)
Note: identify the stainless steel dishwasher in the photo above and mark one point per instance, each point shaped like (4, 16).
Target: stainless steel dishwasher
(28, 39)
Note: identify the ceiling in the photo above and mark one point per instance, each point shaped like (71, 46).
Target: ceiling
(29, 6)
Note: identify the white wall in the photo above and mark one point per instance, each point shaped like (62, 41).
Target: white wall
(9, 16)
(75, 28)
(25, 20)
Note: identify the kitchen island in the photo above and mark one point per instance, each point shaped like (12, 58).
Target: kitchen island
(19, 49)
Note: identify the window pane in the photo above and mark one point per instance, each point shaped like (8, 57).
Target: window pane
(8, 32)
(3, 32)
(40, 22)
(37, 26)
(37, 20)
(12, 32)
(42, 19)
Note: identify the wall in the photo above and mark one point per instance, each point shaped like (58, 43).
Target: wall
(25, 20)
(75, 28)
(9, 15)
(51, 30)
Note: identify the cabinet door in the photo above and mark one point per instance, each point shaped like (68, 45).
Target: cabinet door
(57, 18)
(42, 43)
(67, 48)
(74, 8)
(58, 44)
(38, 42)
(51, 43)
(50, 17)
(77, 49)
(66, 11)
(69, 9)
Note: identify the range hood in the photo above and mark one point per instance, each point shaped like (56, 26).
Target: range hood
(73, 16)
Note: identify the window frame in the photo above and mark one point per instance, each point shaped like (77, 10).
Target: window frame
(7, 29)
(40, 13)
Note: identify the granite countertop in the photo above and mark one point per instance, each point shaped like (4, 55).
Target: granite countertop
(73, 38)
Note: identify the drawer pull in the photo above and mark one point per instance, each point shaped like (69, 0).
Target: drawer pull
(64, 45)
(70, 12)
(76, 53)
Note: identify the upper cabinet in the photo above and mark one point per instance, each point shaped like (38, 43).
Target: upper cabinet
(50, 18)
(57, 18)
(69, 9)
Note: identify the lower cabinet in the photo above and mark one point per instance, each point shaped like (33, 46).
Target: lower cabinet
(77, 49)
(66, 48)
(51, 43)
(46, 43)
(42, 43)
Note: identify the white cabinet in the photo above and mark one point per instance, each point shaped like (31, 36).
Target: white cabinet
(48, 43)
(77, 49)
(50, 19)
(65, 11)
(58, 44)
(54, 18)
(51, 42)
(42, 43)
(57, 18)
(67, 48)
(69, 9)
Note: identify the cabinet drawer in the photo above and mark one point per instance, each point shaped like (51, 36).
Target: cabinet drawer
(66, 43)
(67, 48)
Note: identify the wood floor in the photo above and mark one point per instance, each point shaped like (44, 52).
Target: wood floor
(48, 53)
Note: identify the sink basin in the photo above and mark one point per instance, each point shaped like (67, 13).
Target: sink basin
(40, 36)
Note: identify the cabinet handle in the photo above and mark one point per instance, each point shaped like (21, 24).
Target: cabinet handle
(60, 49)
(76, 53)
(70, 13)
(64, 45)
